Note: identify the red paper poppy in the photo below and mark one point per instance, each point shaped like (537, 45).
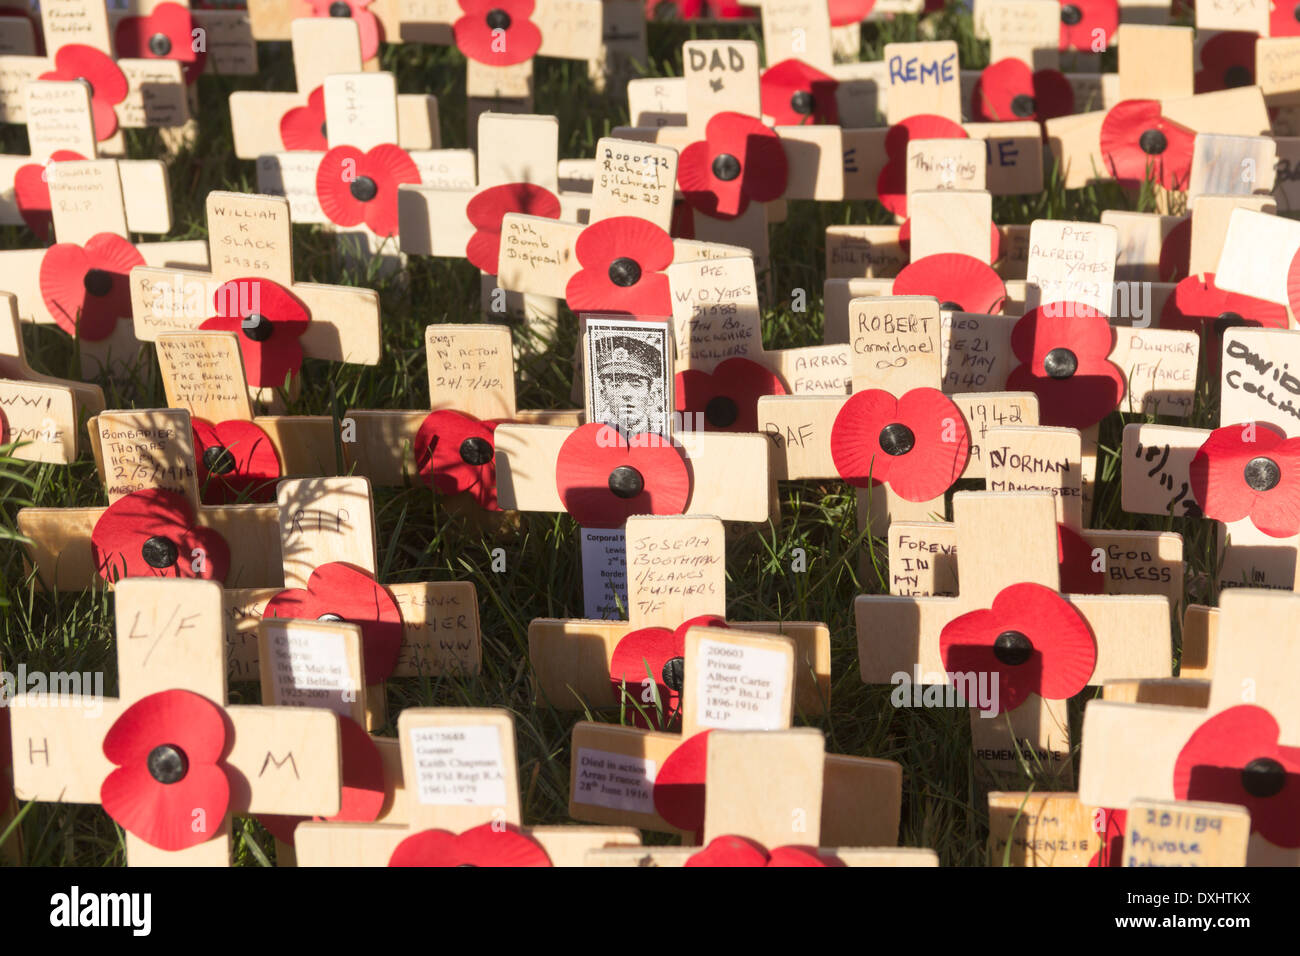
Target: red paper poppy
(87, 288)
(1008, 91)
(674, 9)
(338, 591)
(622, 261)
(727, 397)
(1234, 757)
(1032, 638)
(362, 793)
(170, 787)
(1293, 283)
(604, 477)
(165, 34)
(679, 785)
(1074, 555)
(303, 127)
(152, 533)
(1114, 826)
(108, 86)
(917, 444)
(794, 94)
(730, 10)
(32, 193)
(1080, 21)
(490, 844)
(1064, 350)
(960, 282)
(456, 453)
(1138, 143)
(497, 32)
(488, 207)
(368, 25)
(269, 319)
(237, 462)
(1283, 20)
(891, 183)
(1249, 471)
(740, 851)
(1176, 252)
(655, 655)
(1198, 305)
(740, 160)
(844, 12)
(355, 187)
(1227, 62)
(995, 240)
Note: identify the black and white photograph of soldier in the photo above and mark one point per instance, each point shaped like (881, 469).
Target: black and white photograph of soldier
(628, 383)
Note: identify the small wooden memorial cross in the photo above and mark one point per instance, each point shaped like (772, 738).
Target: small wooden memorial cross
(40, 410)
(500, 44)
(733, 680)
(327, 538)
(471, 391)
(463, 804)
(767, 788)
(674, 573)
(240, 455)
(251, 290)
(60, 126)
(896, 359)
(518, 157)
(1240, 749)
(722, 364)
(376, 22)
(1227, 473)
(1008, 604)
(171, 717)
(81, 282)
(352, 188)
(627, 232)
(266, 122)
(128, 93)
(154, 525)
(320, 664)
(922, 555)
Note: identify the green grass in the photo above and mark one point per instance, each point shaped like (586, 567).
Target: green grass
(421, 539)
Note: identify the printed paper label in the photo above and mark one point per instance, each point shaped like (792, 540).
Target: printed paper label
(740, 688)
(616, 781)
(459, 766)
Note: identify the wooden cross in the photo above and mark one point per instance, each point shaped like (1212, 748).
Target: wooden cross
(251, 284)
(204, 40)
(80, 283)
(264, 122)
(309, 663)
(39, 409)
(1140, 750)
(1257, 250)
(376, 21)
(500, 43)
(674, 572)
(734, 681)
(203, 373)
(518, 166)
(59, 122)
(633, 180)
(475, 803)
(471, 372)
(150, 450)
(351, 189)
(1155, 66)
(271, 759)
(894, 350)
(325, 522)
(716, 319)
(922, 555)
(746, 796)
(131, 93)
(1006, 539)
